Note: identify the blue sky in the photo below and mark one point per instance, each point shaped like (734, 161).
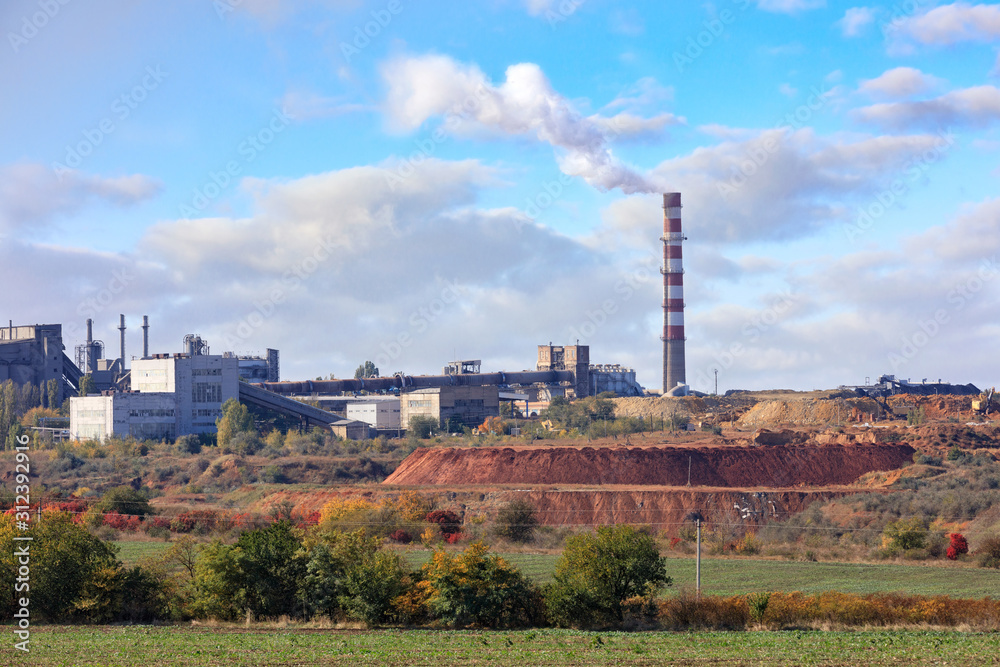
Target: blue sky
(410, 181)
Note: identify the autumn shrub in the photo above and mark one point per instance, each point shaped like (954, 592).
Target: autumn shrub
(476, 588)
(122, 521)
(401, 537)
(687, 612)
(202, 521)
(988, 552)
(958, 546)
(447, 521)
(156, 522)
(516, 521)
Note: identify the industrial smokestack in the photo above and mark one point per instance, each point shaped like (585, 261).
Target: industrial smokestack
(145, 336)
(91, 348)
(121, 328)
(673, 293)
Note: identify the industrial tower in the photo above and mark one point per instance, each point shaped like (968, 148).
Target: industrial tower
(673, 294)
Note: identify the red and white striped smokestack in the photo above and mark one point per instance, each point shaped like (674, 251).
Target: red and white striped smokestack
(673, 293)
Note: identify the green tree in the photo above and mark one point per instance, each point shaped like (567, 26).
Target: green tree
(86, 385)
(480, 589)
(516, 521)
(217, 591)
(905, 534)
(235, 420)
(349, 573)
(271, 566)
(597, 573)
(52, 391)
(366, 370)
(371, 584)
(125, 500)
(75, 577)
(422, 427)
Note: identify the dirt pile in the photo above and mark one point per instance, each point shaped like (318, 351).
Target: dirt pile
(808, 411)
(666, 510)
(731, 467)
(692, 407)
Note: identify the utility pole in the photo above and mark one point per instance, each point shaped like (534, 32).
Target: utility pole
(697, 566)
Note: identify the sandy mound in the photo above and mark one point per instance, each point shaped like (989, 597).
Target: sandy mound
(730, 467)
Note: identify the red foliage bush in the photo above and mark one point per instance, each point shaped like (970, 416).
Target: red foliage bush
(447, 521)
(959, 545)
(155, 522)
(400, 536)
(305, 519)
(122, 521)
(185, 522)
(452, 538)
(73, 506)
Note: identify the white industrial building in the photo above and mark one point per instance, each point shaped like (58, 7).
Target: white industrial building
(380, 413)
(171, 396)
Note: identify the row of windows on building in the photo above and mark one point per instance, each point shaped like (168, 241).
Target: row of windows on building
(206, 392)
(152, 412)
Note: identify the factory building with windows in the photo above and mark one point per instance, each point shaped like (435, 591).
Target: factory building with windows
(171, 396)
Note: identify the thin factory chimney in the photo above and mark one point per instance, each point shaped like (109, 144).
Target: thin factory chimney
(145, 336)
(121, 328)
(673, 293)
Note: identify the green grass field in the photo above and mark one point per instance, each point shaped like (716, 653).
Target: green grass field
(235, 646)
(721, 576)
(130, 552)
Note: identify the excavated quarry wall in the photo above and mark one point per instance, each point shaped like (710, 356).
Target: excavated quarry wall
(664, 510)
(733, 467)
(667, 510)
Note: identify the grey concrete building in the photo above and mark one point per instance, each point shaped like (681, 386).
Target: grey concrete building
(34, 355)
(171, 396)
(470, 404)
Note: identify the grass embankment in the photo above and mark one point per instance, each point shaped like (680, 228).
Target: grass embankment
(236, 646)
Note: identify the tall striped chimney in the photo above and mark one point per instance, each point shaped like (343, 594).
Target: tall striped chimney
(673, 293)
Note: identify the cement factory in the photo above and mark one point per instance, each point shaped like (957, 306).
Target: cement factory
(164, 396)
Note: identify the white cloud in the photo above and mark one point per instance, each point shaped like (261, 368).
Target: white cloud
(898, 83)
(350, 258)
(779, 184)
(629, 125)
(788, 90)
(420, 88)
(950, 24)
(976, 107)
(32, 195)
(855, 20)
(974, 235)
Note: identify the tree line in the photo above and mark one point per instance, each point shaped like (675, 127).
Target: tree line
(284, 570)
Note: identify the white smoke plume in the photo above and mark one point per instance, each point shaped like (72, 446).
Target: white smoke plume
(422, 87)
